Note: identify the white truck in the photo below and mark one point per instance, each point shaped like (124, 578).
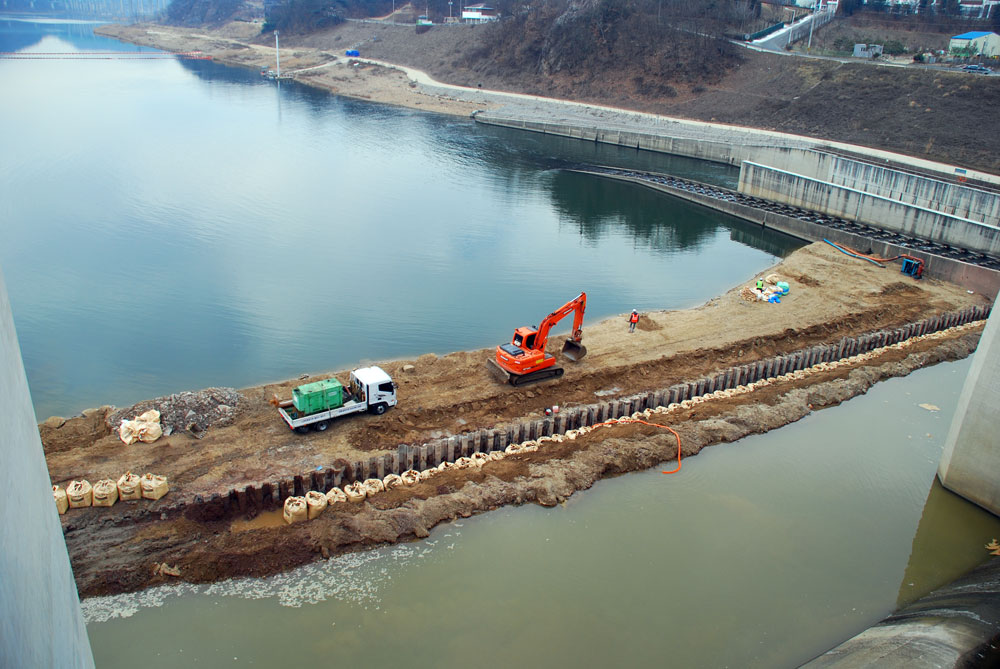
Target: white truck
(314, 405)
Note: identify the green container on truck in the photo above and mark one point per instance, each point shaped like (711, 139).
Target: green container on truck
(318, 396)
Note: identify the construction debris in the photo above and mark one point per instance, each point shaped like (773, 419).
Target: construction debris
(195, 412)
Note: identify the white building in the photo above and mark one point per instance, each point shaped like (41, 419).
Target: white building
(973, 43)
(479, 14)
(978, 9)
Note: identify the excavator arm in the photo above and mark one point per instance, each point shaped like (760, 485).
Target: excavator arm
(575, 306)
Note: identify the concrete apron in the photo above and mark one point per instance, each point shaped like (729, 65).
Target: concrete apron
(957, 625)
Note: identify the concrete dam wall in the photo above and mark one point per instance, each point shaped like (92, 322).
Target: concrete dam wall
(919, 189)
(908, 219)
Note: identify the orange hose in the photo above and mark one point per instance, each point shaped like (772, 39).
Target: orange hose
(662, 427)
(875, 258)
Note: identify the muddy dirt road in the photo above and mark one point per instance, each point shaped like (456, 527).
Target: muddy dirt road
(831, 296)
(117, 553)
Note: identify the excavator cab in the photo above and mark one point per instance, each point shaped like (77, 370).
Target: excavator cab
(524, 338)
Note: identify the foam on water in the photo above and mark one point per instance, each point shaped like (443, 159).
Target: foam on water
(357, 578)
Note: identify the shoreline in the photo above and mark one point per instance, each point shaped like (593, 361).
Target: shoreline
(383, 84)
(113, 550)
(208, 549)
(400, 85)
(215, 522)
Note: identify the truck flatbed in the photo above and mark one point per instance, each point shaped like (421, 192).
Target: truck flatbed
(319, 421)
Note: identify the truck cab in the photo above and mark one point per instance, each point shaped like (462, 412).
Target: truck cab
(372, 386)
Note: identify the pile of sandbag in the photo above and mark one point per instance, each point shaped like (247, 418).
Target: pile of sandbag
(296, 510)
(106, 492)
(773, 289)
(129, 487)
(80, 494)
(62, 502)
(145, 428)
(153, 486)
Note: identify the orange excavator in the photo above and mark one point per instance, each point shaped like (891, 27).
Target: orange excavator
(524, 359)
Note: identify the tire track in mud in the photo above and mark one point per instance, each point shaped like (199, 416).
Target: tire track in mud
(505, 403)
(115, 556)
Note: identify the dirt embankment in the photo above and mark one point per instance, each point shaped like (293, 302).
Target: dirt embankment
(111, 556)
(905, 110)
(832, 296)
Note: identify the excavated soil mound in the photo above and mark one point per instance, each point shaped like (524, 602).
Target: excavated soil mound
(120, 554)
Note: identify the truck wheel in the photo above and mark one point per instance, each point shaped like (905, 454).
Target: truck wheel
(302, 429)
(379, 409)
(321, 426)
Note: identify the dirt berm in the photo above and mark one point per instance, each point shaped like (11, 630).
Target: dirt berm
(832, 296)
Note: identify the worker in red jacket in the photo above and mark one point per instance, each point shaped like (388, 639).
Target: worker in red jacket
(632, 320)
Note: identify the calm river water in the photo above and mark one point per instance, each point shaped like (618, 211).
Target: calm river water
(170, 225)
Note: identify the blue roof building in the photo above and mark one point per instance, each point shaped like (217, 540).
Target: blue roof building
(976, 43)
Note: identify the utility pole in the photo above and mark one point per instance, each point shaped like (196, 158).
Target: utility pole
(277, 54)
(812, 20)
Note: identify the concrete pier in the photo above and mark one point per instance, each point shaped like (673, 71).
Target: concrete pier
(971, 458)
(40, 620)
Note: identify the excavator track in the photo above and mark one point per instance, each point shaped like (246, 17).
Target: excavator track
(518, 380)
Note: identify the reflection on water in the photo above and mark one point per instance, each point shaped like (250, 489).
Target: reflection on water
(758, 237)
(172, 225)
(24, 33)
(782, 545)
(948, 533)
(600, 207)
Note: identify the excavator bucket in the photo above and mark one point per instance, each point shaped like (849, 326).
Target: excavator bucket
(573, 349)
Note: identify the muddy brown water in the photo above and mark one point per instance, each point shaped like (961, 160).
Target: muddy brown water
(760, 553)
